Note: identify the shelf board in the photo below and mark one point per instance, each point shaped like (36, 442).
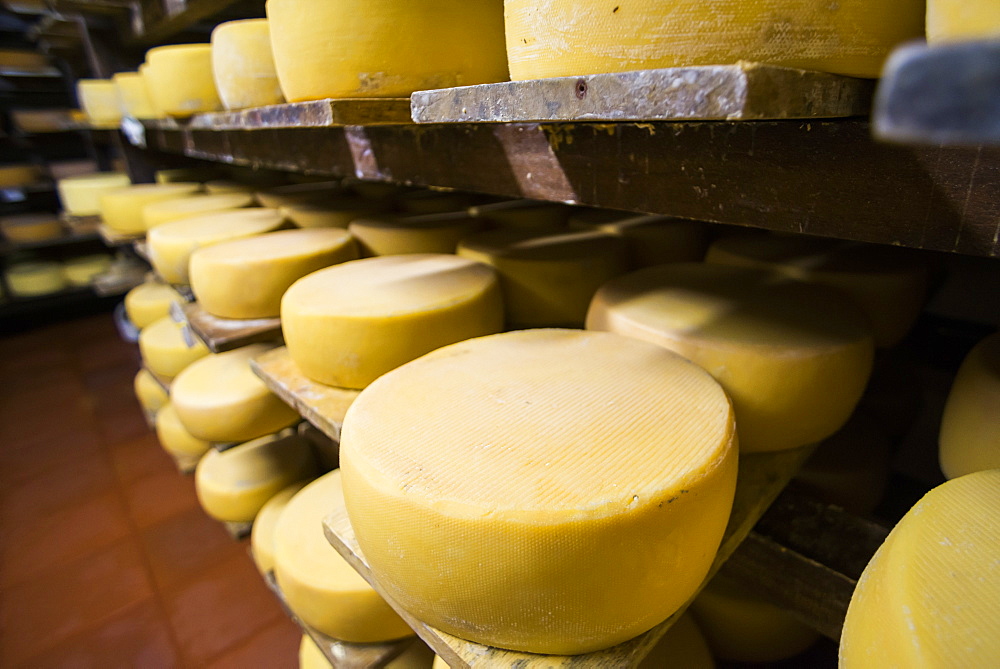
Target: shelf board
(81, 224)
(115, 238)
(314, 114)
(63, 240)
(225, 334)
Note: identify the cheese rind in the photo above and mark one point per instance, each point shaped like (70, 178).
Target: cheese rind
(956, 20)
(31, 227)
(148, 392)
(651, 240)
(121, 208)
(100, 102)
(390, 235)
(243, 64)
(80, 271)
(28, 279)
(332, 213)
(179, 77)
(164, 349)
(158, 213)
(133, 95)
(149, 302)
(281, 196)
(175, 439)
(264, 524)
(969, 440)
(523, 214)
(81, 196)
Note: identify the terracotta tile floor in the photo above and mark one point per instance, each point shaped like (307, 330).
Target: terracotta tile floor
(106, 560)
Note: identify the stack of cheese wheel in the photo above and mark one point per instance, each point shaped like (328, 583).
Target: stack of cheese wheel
(31, 227)
(165, 350)
(81, 196)
(652, 240)
(336, 213)
(394, 235)
(149, 302)
(181, 445)
(970, 427)
(134, 95)
(168, 211)
(562, 38)
(179, 78)
(888, 283)
(319, 586)
(931, 595)
(262, 535)
(283, 196)
(523, 214)
(349, 324)
(956, 20)
(234, 484)
(99, 100)
(525, 503)
(548, 280)
(171, 244)
(14, 176)
(81, 271)
(246, 278)
(243, 64)
(34, 278)
(220, 399)
(121, 208)
(417, 655)
(424, 202)
(355, 48)
(794, 357)
(150, 394)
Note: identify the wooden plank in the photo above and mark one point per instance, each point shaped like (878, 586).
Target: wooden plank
(313, 114)
(323, 406)
(745, 91)
(226, 334)
(116, 238)
(761, 478)
(83, 225)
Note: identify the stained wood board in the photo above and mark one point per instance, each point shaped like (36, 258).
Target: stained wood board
(761, 478)
(81, 224)
(226, 334)
(313, 114)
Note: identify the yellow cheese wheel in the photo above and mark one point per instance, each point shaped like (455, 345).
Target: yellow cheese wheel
(439, 663)
(133, 95)
(185, 174)
(176, 440)
(950, 20)
(320, 587)
(149, 392)
(423, 202)
(234, 484)
(81, 196)
(930, 596)
(179, 78)
(563, 38)
(171, 244)
(82, 270)
(121, 208)
(178, 209)
(281, 196)
(149, 302)
(547, 539)
(164, 349)
(243, 64)
(222, 186)
(523, 214)
(262, 535)
(652, 240)
(310, 656)
(100, 102)
(349, 324)
(336, 213)
(31, 227)
(221, 399)
(548, 280)
(29, 279)
(682, 647)
(394, 235)
(246, 278)
(794, 357)
(970, 427)
(15, 176)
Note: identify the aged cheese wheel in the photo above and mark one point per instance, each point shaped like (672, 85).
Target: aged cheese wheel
(171, 244)
(548, 280)
(134, 95)
(794, 357)
(682, 647)
(31, 227)
(186, 449)
(185, 174)
(320, 587)
(221, 399)
(178, 209)
(223, 186)
(243, 64)
(149, 302)
(246, 278)
(121, 208)
(179, 77)
(15, 176)
(336, 213)
(164, 349)
(310, 656)
(82, 270)
(395, 235)
(970, 427)
(561, 38)
(349, 324)
(262, 535)
(652, 240)
(930, 596)
(423, 202)
(81, 196)
(100, 102)
(281, 196)
(578, 469)
(28, 279)
(950, 20)
(148, 392)
(523, 214)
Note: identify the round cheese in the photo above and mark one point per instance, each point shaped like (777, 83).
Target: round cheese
(262, 535)
(563, 38)
(100, 102)
(30, 279)
(794, 357)
(243, 64)
(548, 280)
(332, 213)
(246, 278)
(171, 244)
(81, 196)
(221, 399)
(282, 196)
(310, 656)
(121, 208)
(423, 202)
(148, 392)
(186, 449)
(951, 20)
(391, 235)
(531, 490)
(149, 302)
(134, 95)
(651, 240)
(81, 271)
(523, 214)
(970, 427)
(180, 208)
(355, 48)
(179, 77)
(930, 596)
(27, 228)
(184, 174)
(15, 176)
(164, 349)
(223, 186)
(682, 647)
(349, 324)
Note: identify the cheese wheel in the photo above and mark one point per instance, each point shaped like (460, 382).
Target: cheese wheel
(81, 196)
(171, 244)
(310, 656)
(262, 535)
(682, 647)
(82, 270)
(970, 427)
(30, 279)
(794, 357)
(651, 240)
(523, 214)
(562, 38)
(149, 392)
(356, 49)
(121, 208)
(548, 280)
(164, 349)
(349, 324)
(929, 597)
(133, 95)
(424, 202)
(27, 228)
(373, 190)
(332, 213)
(15, 176)
(176, 440)
(951, 20)
(184, 174)
(393, 235)
(546, 539)
(149, 302)
(178, 209)
(179, 78)
(319, 586)
(246, 278)
(221, 399)
(888, 283)
(222, 186)
(243, 64)
(281, 196)
(100, 102)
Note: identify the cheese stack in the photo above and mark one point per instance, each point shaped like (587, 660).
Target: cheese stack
(158, 213)
(164, 349)
(31, 227)
(262, 535)
(970, 426)
(121, 208)
(951, 20)
(149, 302)
(100, 102)
(179, 78)
(392, 235)
(150, 394)
(133, 95)
(183, 447)
(82, 270)
(30, 279)
(523, 214)
(652, 240)
(565, 454)
(81, 196)
(243, 64)
(332, 213)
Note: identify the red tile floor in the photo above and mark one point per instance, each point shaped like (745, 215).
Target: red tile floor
(106, 560)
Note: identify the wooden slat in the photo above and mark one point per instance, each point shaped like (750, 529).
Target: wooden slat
(761, 478)
(314, 114)
(226, 334)
(116, 238)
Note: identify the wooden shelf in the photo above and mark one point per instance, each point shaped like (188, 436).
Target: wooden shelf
(116, 238)
(226, 334)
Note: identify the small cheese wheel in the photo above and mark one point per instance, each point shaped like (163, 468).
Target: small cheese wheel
(171, 244)
(81, 196)
(523, 214)
(243, 64)
(424, 202)
(349, 324)
(970, 427)
(81, 271)
(14, 176)
(121, 208)
(953, 20)
(682, 647)
(355, 48)
(184, 174)
(149, 392)
(262, 535)
(223, 186)
(100, 102)
(28, 279)
(332, 213)
(179, 77)
(134, 95)
(246, 278)
(180, 208)
(310, 656)
(393, 235)
(652, 240)
(519, 498)
(794, 357)
(548, 280)
(176, 440)
(164, 349)
(31, 227)
(930, 596)
(281, 196)
(149, 302)
(320, 587)
(221, 399)
(572, 38)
